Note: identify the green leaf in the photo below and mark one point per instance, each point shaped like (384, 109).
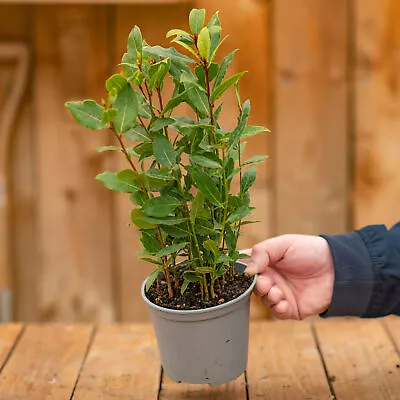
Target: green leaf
(204, 161)
(248, 179)
(164, 151)
(115, 84)
(144, 149)
(151, 278)
(242, 121)
(196, 20)
(149, 241)
(211, 246)
(165, 221)
(223, 68)
(214, 26)
(160, 123)
(176, 231)
(187, 47)
(135, 42)
(191, 276)
(223, 259)
(129, 65)
(157, 73)
(198, 101)
(184, 286)
(151, 260)
(171, 249)
(204, 43)
(255, 160)
(205, 270)
(127, 105)
(175, 101)
(226, 84)
(132, 178)
(87, 113)
(138, 217)
(155, 173)
(108, 148)
(137, 134)
(201, 75)
(138, 198)
(137, 37)
(110, 181)
(230, 238)
(204, 227)
(176, 58)
(253, 130)
(160, 206)
(206, 186)
(197, 204)
(214, 53)
(239, 214)
(180, 32)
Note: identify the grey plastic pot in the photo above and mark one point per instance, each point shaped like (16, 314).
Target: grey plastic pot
(204, 346)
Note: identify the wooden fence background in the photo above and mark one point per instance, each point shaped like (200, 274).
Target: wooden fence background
(324, 75)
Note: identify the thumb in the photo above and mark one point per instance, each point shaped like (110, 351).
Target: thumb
(267, 253)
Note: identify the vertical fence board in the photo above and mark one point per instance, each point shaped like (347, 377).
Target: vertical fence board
(310, 130)
(72, 56)
(377, 86)
(17, 247)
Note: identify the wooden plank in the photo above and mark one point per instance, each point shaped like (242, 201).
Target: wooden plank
(46, 363)
(392, 324)
(377, 100)
(74, 211)
(235, 390)
(96, 2)
(8, 336)
(123, 363)
(360, 359)
(132, 271)
(284, 362)
(14, 106)
(310, 129)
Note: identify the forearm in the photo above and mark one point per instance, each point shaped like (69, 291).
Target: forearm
(367, 272)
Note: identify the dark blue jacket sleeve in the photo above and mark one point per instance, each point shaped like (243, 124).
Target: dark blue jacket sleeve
(367, 272)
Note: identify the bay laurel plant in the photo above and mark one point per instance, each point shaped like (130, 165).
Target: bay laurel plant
(180, 169)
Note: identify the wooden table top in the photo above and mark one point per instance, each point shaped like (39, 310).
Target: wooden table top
(327, 359)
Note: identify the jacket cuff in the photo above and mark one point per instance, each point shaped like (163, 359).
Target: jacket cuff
(354, 278)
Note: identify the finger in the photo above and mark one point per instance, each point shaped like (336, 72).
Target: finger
(263, 285)
(267, 253)
(275, 295)
(281, 310)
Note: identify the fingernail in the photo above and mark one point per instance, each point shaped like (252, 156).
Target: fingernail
(250, 269)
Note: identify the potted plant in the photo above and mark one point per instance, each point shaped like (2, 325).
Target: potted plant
(179, 177)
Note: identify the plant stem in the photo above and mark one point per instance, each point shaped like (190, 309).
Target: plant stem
(163, 259)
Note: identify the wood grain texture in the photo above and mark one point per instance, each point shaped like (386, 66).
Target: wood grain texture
(123, 364)
(377, 99)
(46, 363)
(14, 64)
(97, 2)
(310, 127)
(132, 271)
(8, 337)
(235, 389)
(74, 223)
(360, 358)
(20, 171)
(284, 362)
(392, 324)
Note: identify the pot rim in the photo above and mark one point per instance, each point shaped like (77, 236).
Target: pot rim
(200, 310)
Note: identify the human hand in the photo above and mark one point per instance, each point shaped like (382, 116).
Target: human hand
(296, 275)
